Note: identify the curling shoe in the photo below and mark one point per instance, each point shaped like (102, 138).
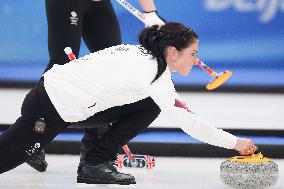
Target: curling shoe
(104, 173)
(37, 161)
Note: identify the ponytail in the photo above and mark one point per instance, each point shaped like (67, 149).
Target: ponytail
(149, 39)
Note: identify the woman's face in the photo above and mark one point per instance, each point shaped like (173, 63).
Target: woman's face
(183, 61)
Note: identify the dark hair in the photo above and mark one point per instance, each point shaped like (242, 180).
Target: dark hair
(155, 40)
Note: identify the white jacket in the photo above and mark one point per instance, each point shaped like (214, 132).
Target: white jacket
(117, 76)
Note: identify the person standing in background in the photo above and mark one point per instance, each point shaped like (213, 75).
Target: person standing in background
(96, 23)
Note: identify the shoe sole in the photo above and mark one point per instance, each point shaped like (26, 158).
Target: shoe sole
(39, 167)
(101, 181)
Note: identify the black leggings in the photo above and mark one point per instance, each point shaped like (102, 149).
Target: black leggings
(22, 140)
(70, 20)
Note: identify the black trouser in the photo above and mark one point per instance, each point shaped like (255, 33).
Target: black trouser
(22, 140)
(131, 119)
(71, 20)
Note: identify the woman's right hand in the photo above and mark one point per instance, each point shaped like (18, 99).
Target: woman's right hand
(245, 146)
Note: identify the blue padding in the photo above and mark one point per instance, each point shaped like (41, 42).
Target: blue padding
(245, 36)
(173, 137)
(69, 137)
(241, 76)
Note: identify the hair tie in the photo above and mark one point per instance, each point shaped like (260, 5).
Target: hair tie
(156, 36)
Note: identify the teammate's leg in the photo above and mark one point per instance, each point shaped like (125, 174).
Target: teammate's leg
(100, 26)
(64, 21)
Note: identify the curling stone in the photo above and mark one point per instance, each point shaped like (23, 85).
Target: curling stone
(249, 172)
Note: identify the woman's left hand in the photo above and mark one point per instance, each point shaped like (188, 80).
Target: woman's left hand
(152, 18)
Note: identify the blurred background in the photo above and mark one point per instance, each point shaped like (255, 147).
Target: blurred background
(245, 36)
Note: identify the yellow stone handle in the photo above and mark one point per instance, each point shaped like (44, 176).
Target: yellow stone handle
(257, 157)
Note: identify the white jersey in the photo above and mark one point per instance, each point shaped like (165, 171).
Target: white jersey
(117, 76)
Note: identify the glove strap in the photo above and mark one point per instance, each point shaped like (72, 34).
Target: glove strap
(150, 11)
(155, 11)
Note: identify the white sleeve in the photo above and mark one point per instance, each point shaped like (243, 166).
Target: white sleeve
(163, 93)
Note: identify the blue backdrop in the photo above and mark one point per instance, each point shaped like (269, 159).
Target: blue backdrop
(246, 36)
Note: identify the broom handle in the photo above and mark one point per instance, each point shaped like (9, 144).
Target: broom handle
(132, 10)
(128, 152)
(203, 66)
(69, 53)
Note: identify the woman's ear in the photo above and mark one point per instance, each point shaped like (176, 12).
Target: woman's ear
(171, 57)
(172, 52)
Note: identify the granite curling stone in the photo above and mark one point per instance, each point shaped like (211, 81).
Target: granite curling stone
(249, 172)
